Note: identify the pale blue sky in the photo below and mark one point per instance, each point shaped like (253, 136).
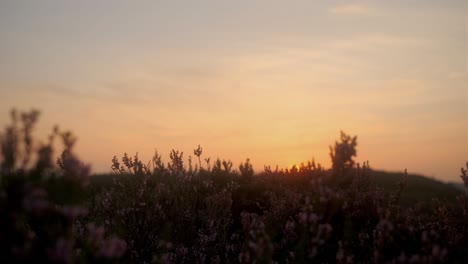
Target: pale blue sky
(271, 80)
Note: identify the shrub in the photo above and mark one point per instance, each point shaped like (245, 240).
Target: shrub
(41, 205)
(343, 152)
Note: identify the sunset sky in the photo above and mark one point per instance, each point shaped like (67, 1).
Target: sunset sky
(274, 81)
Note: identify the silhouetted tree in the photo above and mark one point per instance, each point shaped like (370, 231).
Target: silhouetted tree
(343, 152)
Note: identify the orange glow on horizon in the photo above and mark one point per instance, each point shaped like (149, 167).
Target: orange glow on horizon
(272, 86)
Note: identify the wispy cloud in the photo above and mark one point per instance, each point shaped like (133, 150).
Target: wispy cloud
(352, 9)
(372, 41)
(456, 75)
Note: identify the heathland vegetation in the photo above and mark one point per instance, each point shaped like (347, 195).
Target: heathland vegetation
(199, 210)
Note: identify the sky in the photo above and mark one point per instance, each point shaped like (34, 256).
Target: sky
(273, 81)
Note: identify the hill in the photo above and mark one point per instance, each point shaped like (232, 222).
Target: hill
(459, 186)
(419, 188)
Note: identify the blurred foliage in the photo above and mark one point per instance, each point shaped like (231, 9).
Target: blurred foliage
(42, 208)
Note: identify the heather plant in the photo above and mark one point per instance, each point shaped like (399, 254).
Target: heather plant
(291, 216)
(222, 168)
(464, 175)
(41, 204)
(257, 247)
(197, 152)
(246, 170)
(166, 205)
(190, 211)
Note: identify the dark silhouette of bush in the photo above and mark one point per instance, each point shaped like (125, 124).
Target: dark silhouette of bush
(343, 152)
(42, 205)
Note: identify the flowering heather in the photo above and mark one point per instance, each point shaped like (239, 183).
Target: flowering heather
(208, 211)
(43, 205)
